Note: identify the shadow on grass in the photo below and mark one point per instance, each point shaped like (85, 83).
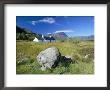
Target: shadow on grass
(64, 62)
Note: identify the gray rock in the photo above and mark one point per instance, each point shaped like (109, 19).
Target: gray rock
(48, 57)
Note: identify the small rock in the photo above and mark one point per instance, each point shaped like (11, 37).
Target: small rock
(43, 68)
(68, 57)
(86, 56)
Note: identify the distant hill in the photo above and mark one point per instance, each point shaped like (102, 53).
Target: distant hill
(91, 37)
(24, 34)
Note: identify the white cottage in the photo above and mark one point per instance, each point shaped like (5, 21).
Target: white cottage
(44, 39)
(37, 40)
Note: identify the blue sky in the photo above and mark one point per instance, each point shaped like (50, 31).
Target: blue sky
(71, 25)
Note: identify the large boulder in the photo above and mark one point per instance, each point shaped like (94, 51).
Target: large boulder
(48, 57)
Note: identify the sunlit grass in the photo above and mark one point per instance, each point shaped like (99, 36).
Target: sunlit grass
(26, 53)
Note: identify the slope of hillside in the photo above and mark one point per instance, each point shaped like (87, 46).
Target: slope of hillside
(24, 34)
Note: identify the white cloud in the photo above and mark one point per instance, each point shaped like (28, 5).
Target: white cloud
(59, 24)
(64, 31)
(34, 22)
(48, 20)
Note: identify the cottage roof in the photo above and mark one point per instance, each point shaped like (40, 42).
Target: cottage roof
(49, 38)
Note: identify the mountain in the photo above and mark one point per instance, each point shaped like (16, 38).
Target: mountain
(20, 30)
(24, 34)
(59, 35)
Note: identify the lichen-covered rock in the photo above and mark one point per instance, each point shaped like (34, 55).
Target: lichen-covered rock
(48, 57)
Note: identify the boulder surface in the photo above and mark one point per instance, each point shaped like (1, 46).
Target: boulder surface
(48, 57)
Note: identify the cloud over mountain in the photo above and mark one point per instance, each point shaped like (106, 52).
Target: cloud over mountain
(68, 30)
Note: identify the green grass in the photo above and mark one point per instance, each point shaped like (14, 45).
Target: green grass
(26, 53)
